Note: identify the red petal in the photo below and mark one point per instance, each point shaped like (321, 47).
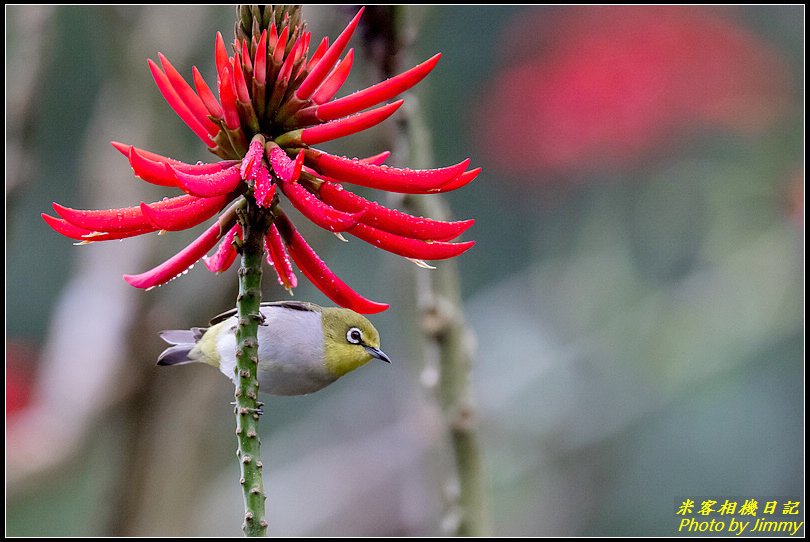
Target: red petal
(152, 172)
(225, 255)
(463, 179)
(407, 181)
(125, 219)
(239, 82)
(210, 184)
(302, 51)
(281, 45)
(283, 167)
(198, 168)
(264, 189)
(348, 125)
(272, 37)
(220, 55)
(188, 96)
(321, 70)
(180, 262)
(375, 94)
(260, 60)
(191, 212)
(286, 69)
(124, 149)
(409, 248)
(253, 158)
(247, 65)
(320, 275)
(377, 159)
(178, 105)
(151, 167)
(208, 98)
(335, 80)
(315, 210)
(278, 258)
(227, 95)
(391, 220)
(318, 54)
(80, 234)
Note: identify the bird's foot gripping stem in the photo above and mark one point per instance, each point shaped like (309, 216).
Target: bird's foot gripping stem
(258, 411)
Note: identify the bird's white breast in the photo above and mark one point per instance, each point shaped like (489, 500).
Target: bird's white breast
(291, 353)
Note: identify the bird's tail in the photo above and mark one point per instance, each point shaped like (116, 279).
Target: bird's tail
(183, 342)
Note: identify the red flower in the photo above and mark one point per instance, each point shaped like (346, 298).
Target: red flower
(276, 102)
(593, 88)
(20, 376)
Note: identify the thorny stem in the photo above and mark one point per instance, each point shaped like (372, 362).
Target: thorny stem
(253, 220)
(439, 303)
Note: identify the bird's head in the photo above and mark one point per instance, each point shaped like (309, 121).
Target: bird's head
(350, 341)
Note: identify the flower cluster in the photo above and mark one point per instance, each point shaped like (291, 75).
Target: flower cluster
(276, 101)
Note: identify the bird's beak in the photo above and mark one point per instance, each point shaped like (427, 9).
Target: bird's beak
(377, 353)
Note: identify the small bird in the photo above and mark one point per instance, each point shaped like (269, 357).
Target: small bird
(302, 347)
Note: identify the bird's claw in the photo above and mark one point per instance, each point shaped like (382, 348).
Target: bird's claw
(258, 411)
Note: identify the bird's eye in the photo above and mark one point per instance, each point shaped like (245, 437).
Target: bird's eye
(354, 336)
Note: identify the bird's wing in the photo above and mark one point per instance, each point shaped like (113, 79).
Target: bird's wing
(292, 305)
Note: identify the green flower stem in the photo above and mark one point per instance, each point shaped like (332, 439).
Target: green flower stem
(439, 303)
(248, 408)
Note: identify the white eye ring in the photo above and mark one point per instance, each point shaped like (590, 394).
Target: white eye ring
(354, 336)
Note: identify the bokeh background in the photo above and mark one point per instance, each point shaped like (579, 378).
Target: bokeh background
(636, 292)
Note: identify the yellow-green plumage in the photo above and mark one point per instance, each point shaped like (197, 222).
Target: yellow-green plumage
(340, 356)
(302, 346)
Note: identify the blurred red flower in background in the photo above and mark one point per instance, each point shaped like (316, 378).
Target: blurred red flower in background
(21, 361)
(594, 88)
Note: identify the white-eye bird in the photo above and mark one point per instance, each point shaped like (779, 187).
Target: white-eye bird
(302, 347)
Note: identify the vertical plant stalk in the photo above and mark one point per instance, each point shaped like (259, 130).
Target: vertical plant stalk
(442, 322)
(248, 408)
(438, 302)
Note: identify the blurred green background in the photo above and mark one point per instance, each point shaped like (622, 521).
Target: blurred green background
(636, 292)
